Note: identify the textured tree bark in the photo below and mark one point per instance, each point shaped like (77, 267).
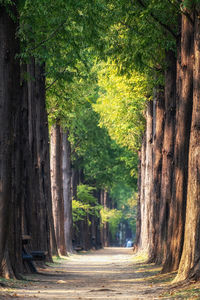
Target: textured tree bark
(104, 227)
(15, 232)
(43, 162)
(157, 172)
(183, 124)
(141, 201)
(57, 187)
(37, 210)
(9, 99)
(167, 154)
(146, 215)
(190, 261)
(67, 192)
(139, 185)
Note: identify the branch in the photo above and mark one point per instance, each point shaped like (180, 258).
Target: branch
(177, 6)
(168, 28)
(49, 37)
(75, 147)
(130, 27)
(56, 79)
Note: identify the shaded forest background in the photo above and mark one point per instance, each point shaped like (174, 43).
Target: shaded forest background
(99, 138)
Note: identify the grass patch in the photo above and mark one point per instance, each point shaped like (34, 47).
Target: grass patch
(190, 292)
(140, 257)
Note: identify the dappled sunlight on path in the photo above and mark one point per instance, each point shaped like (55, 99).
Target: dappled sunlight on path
(108, 273)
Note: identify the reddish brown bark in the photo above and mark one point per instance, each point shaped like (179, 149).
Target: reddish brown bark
(145, 200)
(157, 172)
(183, 122)
(10, 155)
(57, 186)
(37, 216)
(190, 261)
(167, 155)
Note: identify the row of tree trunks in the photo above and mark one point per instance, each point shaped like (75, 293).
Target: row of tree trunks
(64, 181)
(24, 152)
(167, 170)
(181, 150)
(174, 188)
(10, 145)
(190, 260)
(37, 205)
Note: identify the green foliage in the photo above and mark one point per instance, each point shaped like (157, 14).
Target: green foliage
(112, 217)
(86, 204)
(126, 201)
(84, 194)
(121, 105)
(101, 104)
(130, 212)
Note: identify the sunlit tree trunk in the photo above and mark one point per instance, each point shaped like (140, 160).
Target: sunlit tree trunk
(139, 185)
(183, 123)
(190, 261)
(167, 155)
(57, 186)
(145, 203)
(159, 104)
(67, 192)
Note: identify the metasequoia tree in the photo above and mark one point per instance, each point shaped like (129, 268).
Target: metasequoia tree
(189, 264)
(67, 189)
(167, 156)
(9, 110)
(183, 122)
(145, 201)
(57, 186)
(157, 147)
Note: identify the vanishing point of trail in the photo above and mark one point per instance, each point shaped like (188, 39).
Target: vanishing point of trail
(108, 273)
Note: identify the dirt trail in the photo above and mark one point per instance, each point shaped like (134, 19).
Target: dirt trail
(109, 273)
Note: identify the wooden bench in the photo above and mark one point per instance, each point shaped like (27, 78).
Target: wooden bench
(33, 255)
(78, 248)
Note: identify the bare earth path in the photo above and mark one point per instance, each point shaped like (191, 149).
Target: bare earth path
(109, 273)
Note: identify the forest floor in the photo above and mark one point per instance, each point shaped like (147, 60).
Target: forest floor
(110, 273)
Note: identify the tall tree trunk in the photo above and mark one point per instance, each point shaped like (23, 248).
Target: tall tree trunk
(183, 124)
(43, 161)
(9, 93)
(190, 261)
(15, 232)
(167, 154)
(38, 209)
(67, 193)
(57, 187)
(141, 201)
(146, 216)
(157, 172)
(139, 185)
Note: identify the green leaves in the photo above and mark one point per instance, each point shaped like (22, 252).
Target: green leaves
(121, 105)
(84, 194)
(86, 203)
(112, 217)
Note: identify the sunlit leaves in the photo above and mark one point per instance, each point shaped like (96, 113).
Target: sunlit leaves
(121, 105)
(85, 204)
(112, 217)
